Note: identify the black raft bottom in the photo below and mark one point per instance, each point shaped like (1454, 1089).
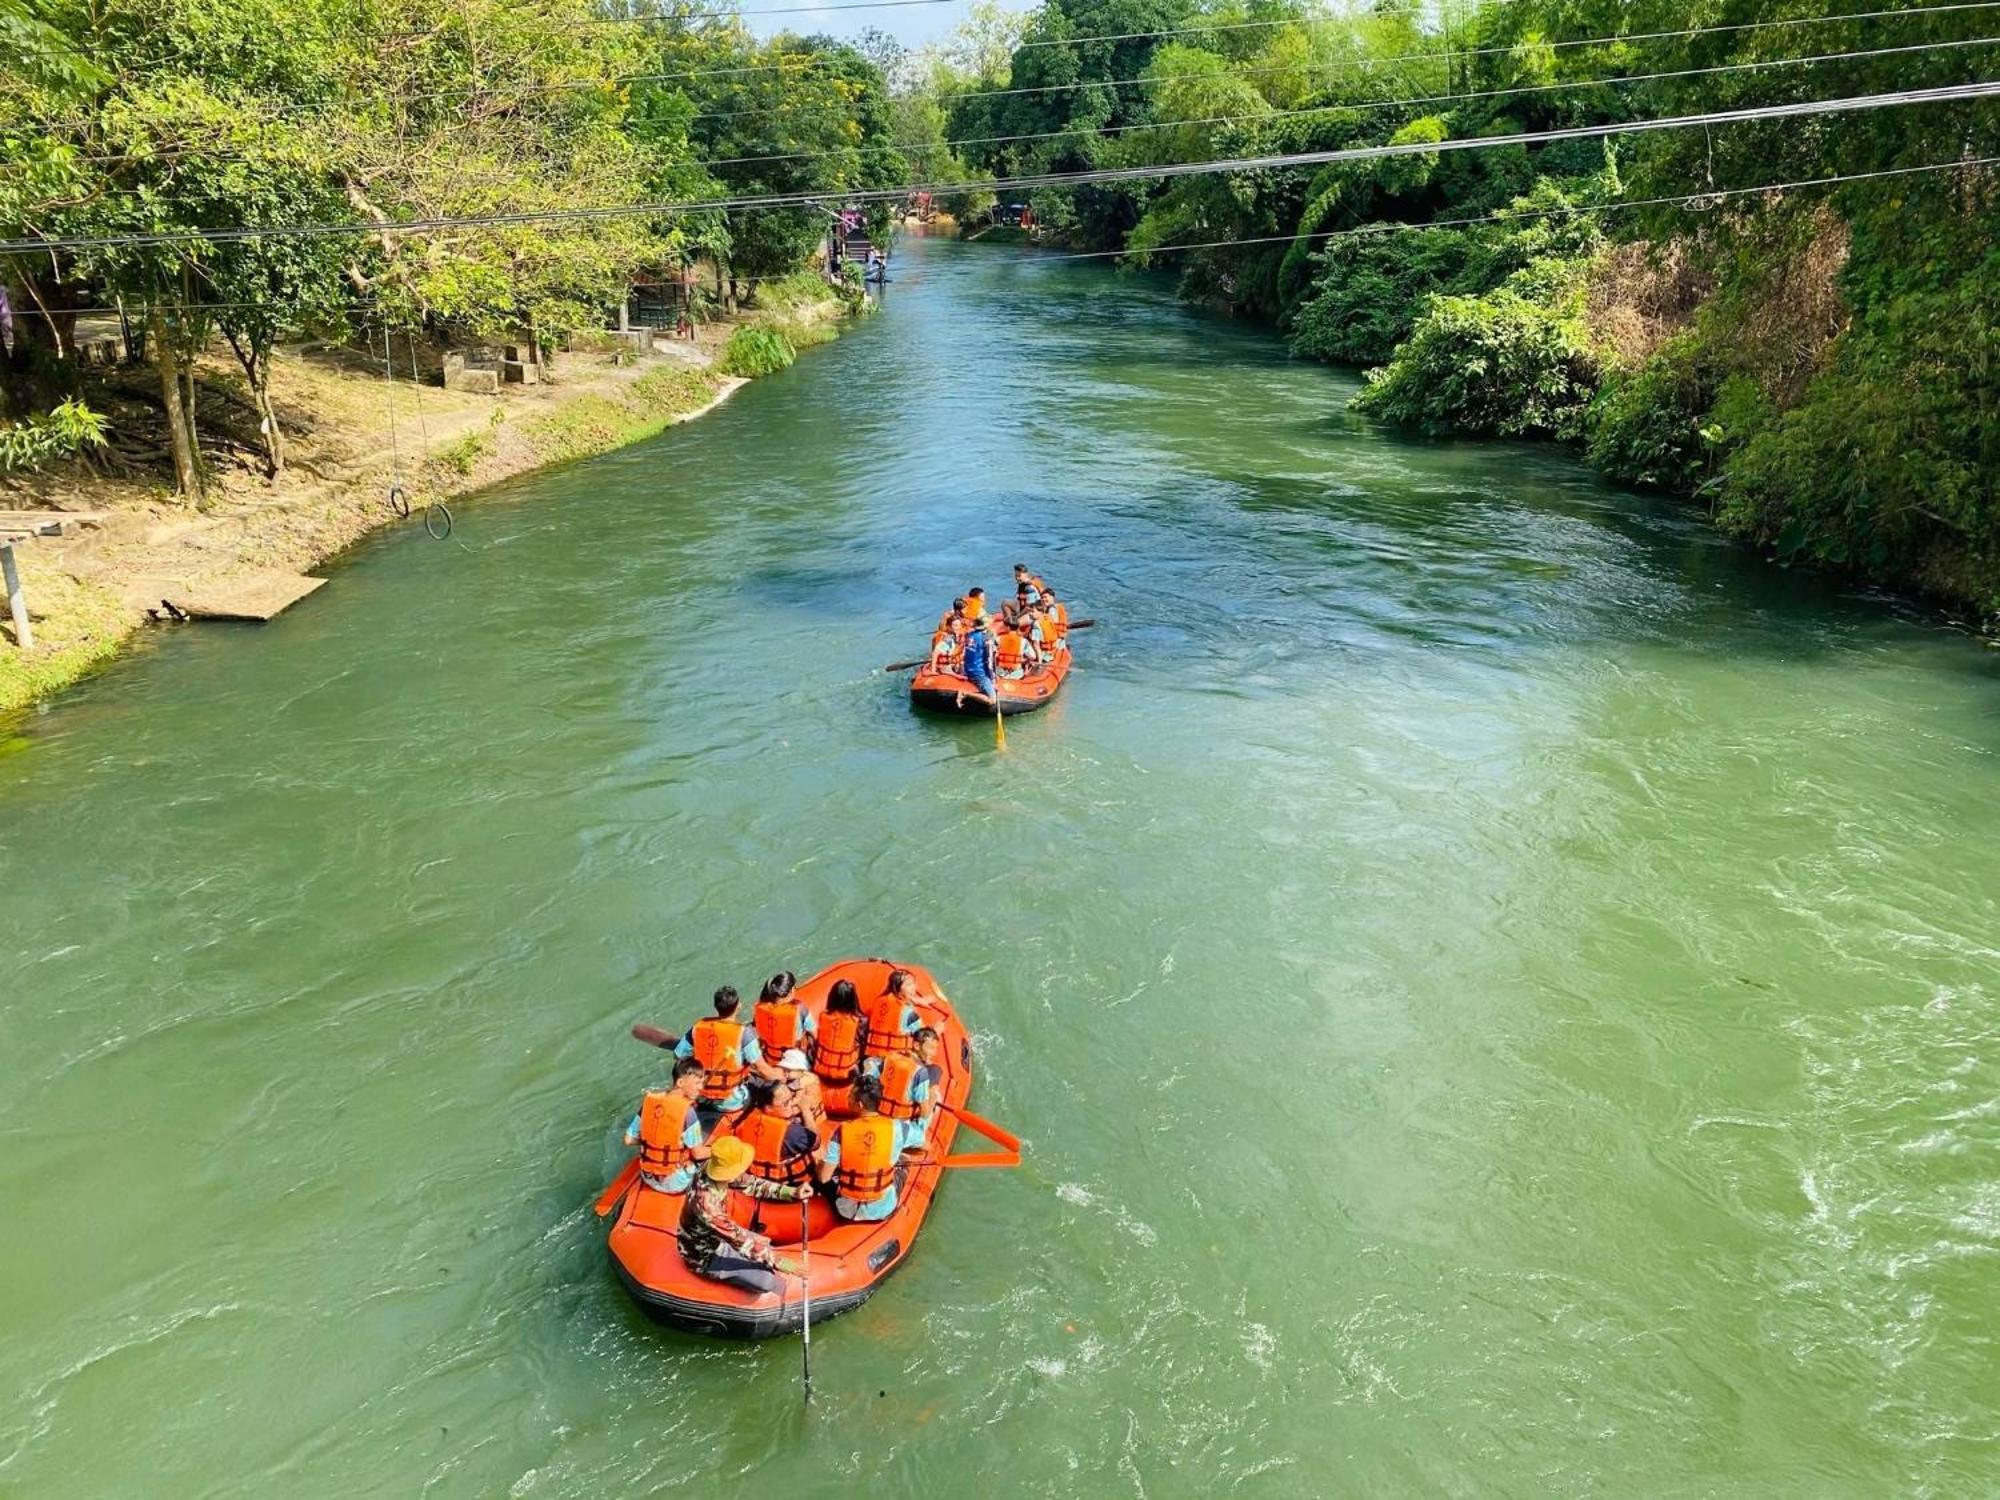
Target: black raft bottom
(943, 703)
(774, 1321)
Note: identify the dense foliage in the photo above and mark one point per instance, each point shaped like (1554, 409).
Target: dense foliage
(199, 115)
(1821, 366)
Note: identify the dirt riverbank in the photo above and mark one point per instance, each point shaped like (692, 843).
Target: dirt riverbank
(351, 436)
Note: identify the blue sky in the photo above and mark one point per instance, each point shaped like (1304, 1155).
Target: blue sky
(912, 25)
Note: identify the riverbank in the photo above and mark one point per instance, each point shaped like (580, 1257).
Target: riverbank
(351, 437)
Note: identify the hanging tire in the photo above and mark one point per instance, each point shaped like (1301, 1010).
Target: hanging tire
(398, 501)
(437, 520)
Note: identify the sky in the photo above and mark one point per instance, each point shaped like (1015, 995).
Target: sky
(911, 24)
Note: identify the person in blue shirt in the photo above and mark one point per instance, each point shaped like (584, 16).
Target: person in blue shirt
(688, 1075)
(862, 1160)
(976, 660)
(728, 1049)
(924, 1081)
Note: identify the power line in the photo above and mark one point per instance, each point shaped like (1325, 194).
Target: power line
(1796, 109)
(1694, 202)
(1328, 109)
(1280, 114)
(1454, 56)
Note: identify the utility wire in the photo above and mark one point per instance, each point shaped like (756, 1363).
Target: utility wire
(1100, 131)
(1796, 109)
(1329, 109)
(1452, 56)
(1694, 202)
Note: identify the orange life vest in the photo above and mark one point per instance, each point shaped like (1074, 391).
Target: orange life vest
(899, 1086)
(1059, 612)
(718, 1047)
(1010, 651)
(663, 1117)
(838, 1050)
(886, 1036)
(780, 1026)
(765, 1130)
(867, 1167)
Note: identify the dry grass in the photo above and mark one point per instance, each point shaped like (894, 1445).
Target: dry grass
(1640, 295)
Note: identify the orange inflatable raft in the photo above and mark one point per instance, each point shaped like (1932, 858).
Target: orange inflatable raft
(846, 1261)
(1018, 695)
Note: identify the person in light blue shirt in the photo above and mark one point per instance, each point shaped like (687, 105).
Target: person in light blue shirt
(687, 1084)
(868, 1120)
(924, 1081)
(728, 1049)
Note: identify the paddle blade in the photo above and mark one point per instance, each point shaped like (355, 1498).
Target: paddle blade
(652, 1036)
(614, 1195)
(1007, 1140)
(999, 727)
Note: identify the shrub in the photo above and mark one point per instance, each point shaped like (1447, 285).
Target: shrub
(754, 351)
(1502, 364)
(1365, 298)
(69, 428)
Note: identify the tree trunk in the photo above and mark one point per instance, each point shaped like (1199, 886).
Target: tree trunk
(187, 471)
(256, 365)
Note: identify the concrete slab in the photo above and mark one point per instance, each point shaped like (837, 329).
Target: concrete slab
(247, 596)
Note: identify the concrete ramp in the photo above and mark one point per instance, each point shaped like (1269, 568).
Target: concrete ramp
(244, 596)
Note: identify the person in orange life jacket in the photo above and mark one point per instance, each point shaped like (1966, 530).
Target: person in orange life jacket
(838, 1047)
(781, 1022)
(893, 1018)
(786, 1147)
(1057, 614)
(1036, 627)
(954, 619)
(975, 604)
(909, 1082)
(861, 1160)
(728, 1050)
(803, 1085)
(1031, 583)
(715, 1245)
(944, 648)
(668, 1132)
(1014, 655)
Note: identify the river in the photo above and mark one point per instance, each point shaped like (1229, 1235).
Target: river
(1499, 986)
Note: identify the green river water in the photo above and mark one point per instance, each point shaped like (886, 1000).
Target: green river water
(1499, 987)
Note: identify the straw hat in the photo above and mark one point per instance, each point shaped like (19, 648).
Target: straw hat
(729, 1158)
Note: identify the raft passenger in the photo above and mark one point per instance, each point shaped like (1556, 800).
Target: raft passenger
(808, 1098)
(837, 1050)
(667, 1131)
(728, 1050)
(909, 1082)
(1014, 655)
(785, 1147)
(715, 1245)
(781, 1022)
(1031, 582)
(976, 662)
(893, 1018)
(861, 1159)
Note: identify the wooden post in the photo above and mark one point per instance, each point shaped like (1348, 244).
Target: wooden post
(17, 602)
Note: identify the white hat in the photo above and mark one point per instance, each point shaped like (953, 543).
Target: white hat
(793, 1058)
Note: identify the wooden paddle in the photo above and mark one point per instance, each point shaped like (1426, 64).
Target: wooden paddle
(614, 1195)
(652, 1036)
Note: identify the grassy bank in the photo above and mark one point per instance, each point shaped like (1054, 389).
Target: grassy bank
(352, 436)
